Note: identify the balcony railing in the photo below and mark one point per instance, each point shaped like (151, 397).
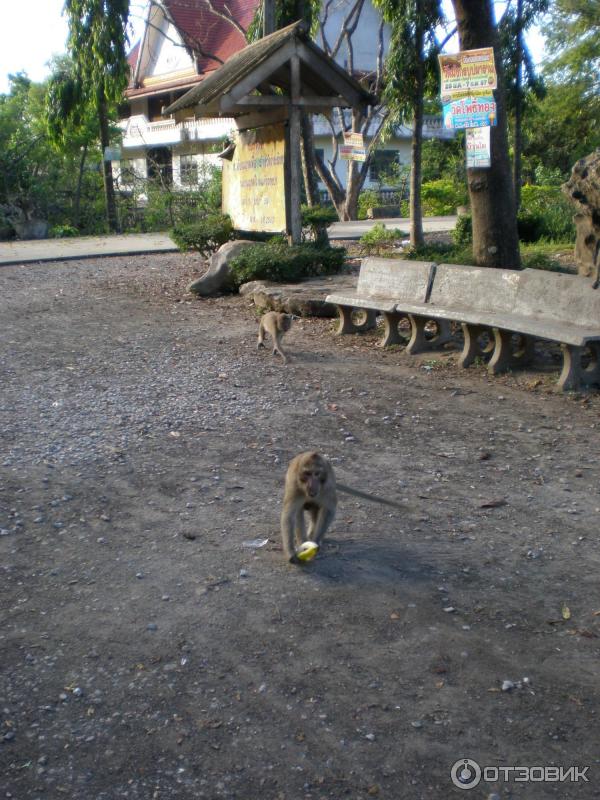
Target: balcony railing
(138, 131)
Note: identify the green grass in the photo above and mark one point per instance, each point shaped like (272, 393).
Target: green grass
(541, 255)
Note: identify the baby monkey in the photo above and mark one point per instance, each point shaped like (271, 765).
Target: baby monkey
(310, 485)
(275, 324)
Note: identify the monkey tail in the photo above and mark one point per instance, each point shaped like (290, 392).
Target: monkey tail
(366, 496)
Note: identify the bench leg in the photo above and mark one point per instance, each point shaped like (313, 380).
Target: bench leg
(472, 347)
(506, 356)
(347, 323)
(573, 373)
(421, 341)
(391, 333)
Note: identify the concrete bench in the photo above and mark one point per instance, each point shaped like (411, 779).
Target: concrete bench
(395, 288)
(502, 312)
(533, 304)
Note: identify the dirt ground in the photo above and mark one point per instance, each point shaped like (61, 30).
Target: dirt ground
(147, 652)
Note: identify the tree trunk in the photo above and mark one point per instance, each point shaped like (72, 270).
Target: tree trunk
(109, 187)
(77, 203)
(309, 170)
(495, 236)
(518, 140)
(416, 216)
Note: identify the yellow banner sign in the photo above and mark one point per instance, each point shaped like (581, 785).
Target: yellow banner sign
(253, 181)
(468, 70)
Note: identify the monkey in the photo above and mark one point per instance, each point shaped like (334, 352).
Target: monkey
(275, 324)
(310, 485)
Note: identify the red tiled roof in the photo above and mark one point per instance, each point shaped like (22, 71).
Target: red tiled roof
(207, 33)
(133, 55)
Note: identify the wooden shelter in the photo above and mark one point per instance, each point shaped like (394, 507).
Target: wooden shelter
(272, 80)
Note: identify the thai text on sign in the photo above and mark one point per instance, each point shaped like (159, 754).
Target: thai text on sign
(478, 147)
(254, 180)
(353, 148)
(470, 112)
(469, 70)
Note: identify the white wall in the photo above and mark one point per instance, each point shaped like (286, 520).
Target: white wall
(364, 38)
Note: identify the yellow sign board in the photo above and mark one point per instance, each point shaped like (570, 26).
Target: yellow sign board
(253, 181)
(470, 71)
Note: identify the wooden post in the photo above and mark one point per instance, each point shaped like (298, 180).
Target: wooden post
(295, 123)
(268, 17)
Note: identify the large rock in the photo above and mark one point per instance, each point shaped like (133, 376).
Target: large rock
(583, 189)
(215, 279)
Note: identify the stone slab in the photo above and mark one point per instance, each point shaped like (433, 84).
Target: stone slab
(475, 288)
(396, 278)
(305, 299)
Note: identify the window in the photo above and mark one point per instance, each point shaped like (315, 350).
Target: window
(155, 107)
(382, 164)
(188, 171)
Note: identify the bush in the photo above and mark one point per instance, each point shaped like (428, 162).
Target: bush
(318, 218)
(278, 261)
(367, 199)
(462, 234)
(63, 231)
(379, 238)
(441, 197)
(204, 236)
(545, 213)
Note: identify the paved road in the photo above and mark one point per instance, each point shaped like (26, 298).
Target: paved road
(355, 229)
(84, 247)
(135, 243)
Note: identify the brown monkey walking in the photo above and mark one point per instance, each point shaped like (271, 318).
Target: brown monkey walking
(310, 485)
(275, 324)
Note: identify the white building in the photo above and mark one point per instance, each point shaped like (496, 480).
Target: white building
(183, 41)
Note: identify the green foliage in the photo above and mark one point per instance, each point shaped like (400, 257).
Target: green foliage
(571, 31)
(278, 261)
(441, 197)
(545, 215)
(205, 235)
(379, 239)
(98, 43)
(407, 56)
(368, 198)
(560, 128)
(521, 81)
(441, 253)
(462, 235)
(444, 158)
(63, 231)
(286, 12)
(537, 259)
(167, 206)
(6, 229)
(318, 218)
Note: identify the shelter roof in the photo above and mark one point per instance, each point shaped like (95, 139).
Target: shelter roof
(265, 66)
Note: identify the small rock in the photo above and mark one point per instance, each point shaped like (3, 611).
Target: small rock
(370, 737)
(507, 686)
(152, 626)
(417, 723)
(243, 573)
(449, 609)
